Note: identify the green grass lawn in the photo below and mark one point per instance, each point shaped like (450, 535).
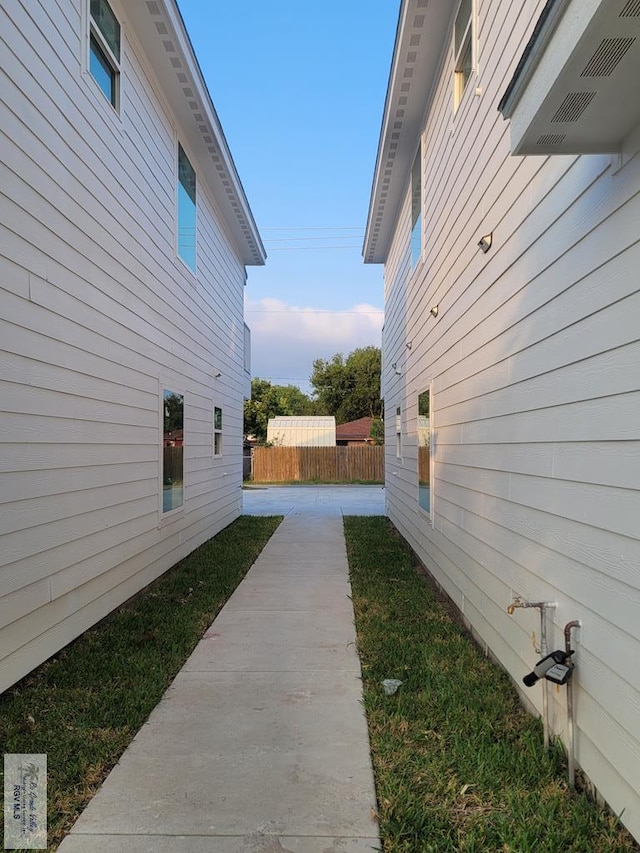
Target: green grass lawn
(459, 764)
(84, 706)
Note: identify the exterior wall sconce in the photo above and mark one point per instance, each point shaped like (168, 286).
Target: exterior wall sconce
(433, 311)
(394, 367)
(485, 242)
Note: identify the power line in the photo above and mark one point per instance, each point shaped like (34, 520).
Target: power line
(313, 228)
(312, 248)
(351, 382)
(301, 239)
(310, 311)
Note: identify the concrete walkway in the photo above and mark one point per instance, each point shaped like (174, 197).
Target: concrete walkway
(260, 745)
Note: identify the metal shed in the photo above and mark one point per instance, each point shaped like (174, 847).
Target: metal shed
(309, 431)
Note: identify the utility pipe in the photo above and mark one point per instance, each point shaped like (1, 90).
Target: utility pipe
(571, 759)
(543, 607)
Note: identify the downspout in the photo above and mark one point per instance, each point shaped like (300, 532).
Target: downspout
(571, 760)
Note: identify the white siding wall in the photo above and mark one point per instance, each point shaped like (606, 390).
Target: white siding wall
(535, 359)
(97, 316)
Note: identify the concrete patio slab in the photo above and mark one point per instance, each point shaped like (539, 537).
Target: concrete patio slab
(328, 500)
(260, 743)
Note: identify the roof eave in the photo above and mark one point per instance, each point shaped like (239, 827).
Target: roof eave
(417, 56)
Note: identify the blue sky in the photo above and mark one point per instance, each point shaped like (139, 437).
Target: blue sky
(300, 90)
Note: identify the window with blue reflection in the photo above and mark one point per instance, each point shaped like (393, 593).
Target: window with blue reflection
(416, 210)
(104, 49)
(186, 210)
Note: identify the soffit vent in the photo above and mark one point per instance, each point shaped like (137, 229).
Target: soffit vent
(631, 10)
(607, 56)
(573, 106)
(552, 139)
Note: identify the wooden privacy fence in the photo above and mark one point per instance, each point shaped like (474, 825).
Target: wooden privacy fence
(172, 464)
(324, 464)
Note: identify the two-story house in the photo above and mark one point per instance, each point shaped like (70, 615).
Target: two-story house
(505, 208)
(125, 235)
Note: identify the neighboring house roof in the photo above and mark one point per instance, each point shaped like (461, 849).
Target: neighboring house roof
(420, 42)
(160, 29)
(176, 437)
(359, 430)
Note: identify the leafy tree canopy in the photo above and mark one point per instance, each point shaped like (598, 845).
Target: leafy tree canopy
(173, 411)
(377, 431)
(270, 401)
(349, 388)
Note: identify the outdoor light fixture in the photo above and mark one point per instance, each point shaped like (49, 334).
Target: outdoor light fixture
(485, 242)
(394, 367)
(433, 311)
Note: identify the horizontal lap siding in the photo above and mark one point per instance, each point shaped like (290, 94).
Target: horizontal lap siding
(97, 316)
(534, 360)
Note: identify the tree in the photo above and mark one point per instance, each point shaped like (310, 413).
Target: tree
(269, 401)
(349, 388)
(377, 431)
(173, 411)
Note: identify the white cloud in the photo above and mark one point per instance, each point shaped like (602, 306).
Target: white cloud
(285, 339)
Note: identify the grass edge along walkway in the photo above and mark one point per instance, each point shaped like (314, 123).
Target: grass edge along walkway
(84, 705)
(459, 764)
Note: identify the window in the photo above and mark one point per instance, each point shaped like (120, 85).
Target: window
(398, 433)
(247, 349)
(416, 209)
(424, 451)
(217, 431)
(172, 451)
(104, 50)
(186, 210)
(462, 50)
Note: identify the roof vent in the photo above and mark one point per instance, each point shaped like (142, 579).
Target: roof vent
(631, 10)
(571, 109)
(607, 56)
(552, 139)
